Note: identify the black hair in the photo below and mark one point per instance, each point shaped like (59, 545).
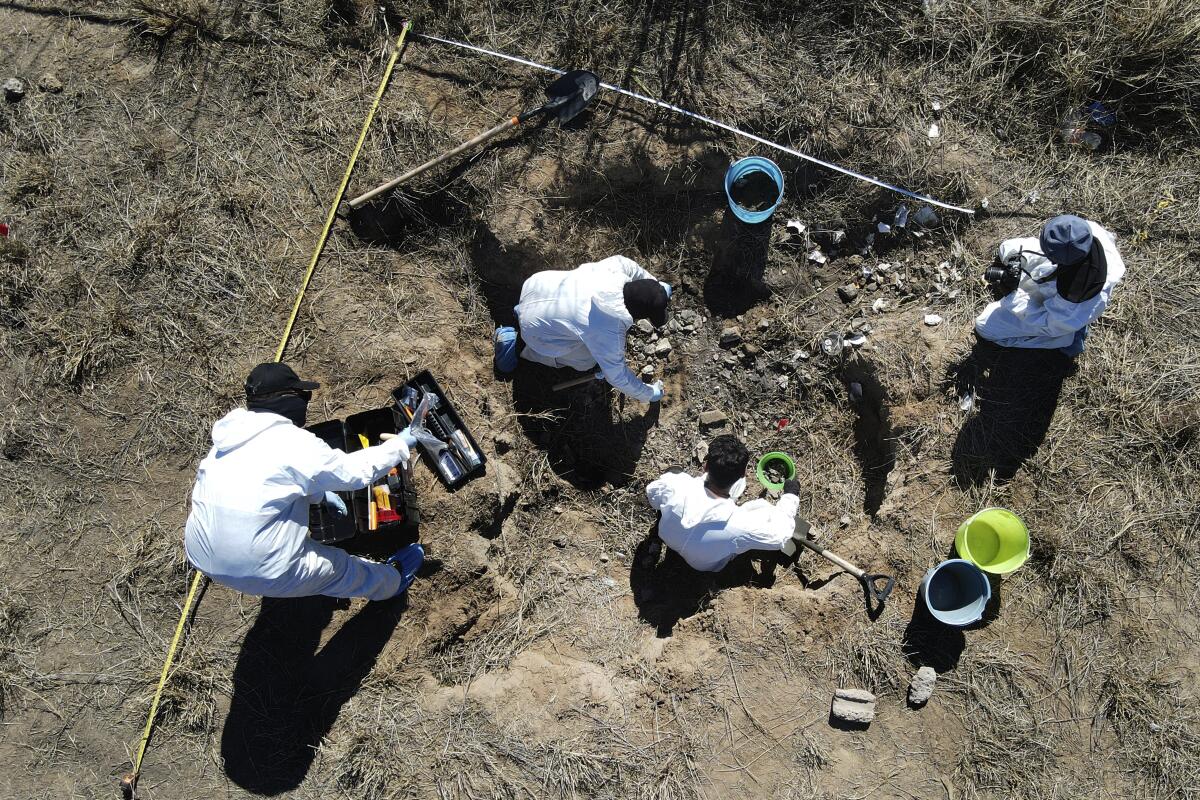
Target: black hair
(727, 460)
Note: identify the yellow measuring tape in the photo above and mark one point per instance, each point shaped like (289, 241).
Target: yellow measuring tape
(129, 781)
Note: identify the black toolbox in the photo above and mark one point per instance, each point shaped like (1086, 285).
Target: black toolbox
(325, 524)
(466, 459)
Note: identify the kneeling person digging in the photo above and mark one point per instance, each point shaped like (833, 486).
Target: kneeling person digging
(248, 527)
(701, 520)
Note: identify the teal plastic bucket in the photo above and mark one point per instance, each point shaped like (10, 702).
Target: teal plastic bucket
(744, 167)
(956, 592)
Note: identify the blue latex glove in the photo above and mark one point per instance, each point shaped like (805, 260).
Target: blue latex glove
(657, 386)
(335, 503)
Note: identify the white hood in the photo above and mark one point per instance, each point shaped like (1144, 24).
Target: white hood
(240, 426)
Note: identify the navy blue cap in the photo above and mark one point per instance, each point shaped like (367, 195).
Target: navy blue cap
(1066, 239)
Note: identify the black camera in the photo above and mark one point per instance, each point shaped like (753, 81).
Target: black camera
(1003, 276)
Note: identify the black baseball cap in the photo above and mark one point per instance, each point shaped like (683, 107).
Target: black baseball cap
(273, 377)
(647, 299)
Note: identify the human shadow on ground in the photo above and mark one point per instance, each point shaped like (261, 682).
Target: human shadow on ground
(1016, 393)
(588, 432)
(287, 694)
(735, 280)
(666, 590)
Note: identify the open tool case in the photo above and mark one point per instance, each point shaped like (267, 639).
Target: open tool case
(325, 524)
(461, 458)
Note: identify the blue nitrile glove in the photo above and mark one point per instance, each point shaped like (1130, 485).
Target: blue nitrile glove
(335, 503)
(657, 395)
(667, 287)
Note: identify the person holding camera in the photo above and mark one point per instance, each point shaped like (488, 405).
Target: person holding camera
(1051, 287)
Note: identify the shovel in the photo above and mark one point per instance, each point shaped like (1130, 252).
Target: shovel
(876, 596)
(565, 98)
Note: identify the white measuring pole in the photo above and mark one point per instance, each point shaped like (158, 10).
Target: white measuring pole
(736, 131)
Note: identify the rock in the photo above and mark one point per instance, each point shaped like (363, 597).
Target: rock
(14, 90)
(933, 320)
(645, 327)
(504, 442)
(711, 419)
(604, 558)
(50, 83)
(921, 686)
(752, 351)
(844, 521)
(508, 482)
(730, 337)
(663, 347)
(853, 705)
(560, 541)
(701, 451)
(647, 371)
(848, 293)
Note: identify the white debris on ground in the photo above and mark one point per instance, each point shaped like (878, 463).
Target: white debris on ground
(921, 686)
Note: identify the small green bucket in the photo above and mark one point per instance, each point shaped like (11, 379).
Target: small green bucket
(995, 540)
(760, 470)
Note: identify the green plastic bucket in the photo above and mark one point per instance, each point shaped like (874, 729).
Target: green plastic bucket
(995, 540)
(760, 470)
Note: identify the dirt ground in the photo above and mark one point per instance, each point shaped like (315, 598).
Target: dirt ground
(165, 178)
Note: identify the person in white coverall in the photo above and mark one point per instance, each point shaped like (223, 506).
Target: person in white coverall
(1064, 280)
(579, 318)
(701, 520)
(248, 527)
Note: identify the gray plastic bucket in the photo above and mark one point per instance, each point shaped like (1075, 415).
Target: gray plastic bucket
(956, 592)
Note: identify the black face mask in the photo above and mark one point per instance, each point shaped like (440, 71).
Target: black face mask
(290, 405)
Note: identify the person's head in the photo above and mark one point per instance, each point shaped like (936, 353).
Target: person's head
(1082, 267)
(1066, 239)
(647, 299)
(275, 388)
(726, 462)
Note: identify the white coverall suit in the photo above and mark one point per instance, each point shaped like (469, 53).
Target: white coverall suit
(709, 531)
(248, 528)
(578, 319)
(1033, 314)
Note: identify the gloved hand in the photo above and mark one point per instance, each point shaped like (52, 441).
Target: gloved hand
(667, 287)
(657, 394)
(408, 438)
(406, 435)
(791, 486)
(335, 503)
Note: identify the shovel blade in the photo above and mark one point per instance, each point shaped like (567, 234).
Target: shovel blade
(570, 94)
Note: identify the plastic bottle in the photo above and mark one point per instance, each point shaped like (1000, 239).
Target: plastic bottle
(448, 465)
(1074, 131)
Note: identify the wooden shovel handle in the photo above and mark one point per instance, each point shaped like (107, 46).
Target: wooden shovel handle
(412, 173)
(591, 376)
